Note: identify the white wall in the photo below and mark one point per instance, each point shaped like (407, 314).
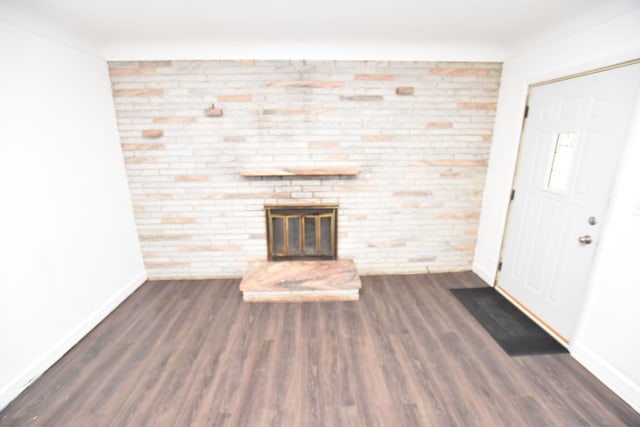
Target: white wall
(305, 50)
(616, 340)
(69, 251)
(608, 338)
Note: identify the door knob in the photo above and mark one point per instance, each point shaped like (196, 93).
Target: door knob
(585, 240)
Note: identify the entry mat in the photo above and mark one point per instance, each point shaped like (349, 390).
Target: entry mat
(515, 332)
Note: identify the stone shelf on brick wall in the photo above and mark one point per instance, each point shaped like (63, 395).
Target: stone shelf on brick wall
(299, 172)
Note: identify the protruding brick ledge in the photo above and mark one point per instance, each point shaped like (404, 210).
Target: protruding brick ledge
(152, 133)
(405, 90)
(299, 172)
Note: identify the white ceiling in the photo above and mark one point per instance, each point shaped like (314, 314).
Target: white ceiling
(500, 24)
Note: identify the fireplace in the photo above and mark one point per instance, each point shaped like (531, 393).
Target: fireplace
(302, 232)
(302, 240)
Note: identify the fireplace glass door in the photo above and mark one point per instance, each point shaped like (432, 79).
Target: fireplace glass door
(301, 232)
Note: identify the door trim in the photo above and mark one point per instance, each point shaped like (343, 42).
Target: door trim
(584, 73)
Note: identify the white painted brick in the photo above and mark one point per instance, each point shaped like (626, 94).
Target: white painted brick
(286, 126)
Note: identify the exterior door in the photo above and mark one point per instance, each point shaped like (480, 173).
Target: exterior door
(572, 141)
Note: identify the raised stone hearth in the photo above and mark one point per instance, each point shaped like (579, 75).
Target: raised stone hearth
(296, 281)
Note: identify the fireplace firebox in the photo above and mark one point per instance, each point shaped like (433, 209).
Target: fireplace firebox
(302, 232)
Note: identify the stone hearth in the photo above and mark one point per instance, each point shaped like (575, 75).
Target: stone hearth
(296, 281)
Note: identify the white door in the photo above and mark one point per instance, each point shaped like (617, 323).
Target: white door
(572, 141)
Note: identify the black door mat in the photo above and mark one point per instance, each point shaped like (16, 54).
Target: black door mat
(514, 331)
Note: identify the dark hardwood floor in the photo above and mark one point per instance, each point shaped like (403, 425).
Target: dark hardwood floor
(191, 353)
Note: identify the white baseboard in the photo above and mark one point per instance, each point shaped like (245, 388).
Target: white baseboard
(608, 374)
(23, 379)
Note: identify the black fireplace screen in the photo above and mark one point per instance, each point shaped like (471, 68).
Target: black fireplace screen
(301, 232)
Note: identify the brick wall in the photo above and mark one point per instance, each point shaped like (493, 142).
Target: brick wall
(419, 133)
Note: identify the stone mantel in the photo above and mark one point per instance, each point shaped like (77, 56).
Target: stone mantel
(285, 171)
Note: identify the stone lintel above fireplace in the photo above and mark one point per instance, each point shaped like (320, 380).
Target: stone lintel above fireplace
(301, 172)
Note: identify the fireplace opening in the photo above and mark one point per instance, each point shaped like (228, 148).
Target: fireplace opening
(302, 232)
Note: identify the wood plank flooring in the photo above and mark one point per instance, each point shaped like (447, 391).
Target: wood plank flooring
(191, 353)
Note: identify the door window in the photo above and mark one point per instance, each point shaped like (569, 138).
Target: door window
(563, 153)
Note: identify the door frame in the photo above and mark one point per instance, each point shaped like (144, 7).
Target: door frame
(564, 341)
